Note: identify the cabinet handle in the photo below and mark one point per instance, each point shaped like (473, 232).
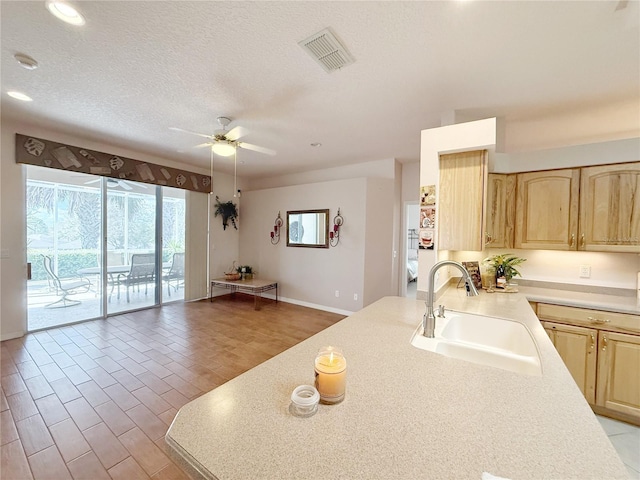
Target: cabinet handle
(582, 240)
(593, 341)
(573, 240)
(604, 343)
(489, 238)
(599, 321)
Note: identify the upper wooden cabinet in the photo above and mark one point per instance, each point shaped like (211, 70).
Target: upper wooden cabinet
(461, 200)
(547, 210)
(500, 210)
(610, 208)
(591, 208)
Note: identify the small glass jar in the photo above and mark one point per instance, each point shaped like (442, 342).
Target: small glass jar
(304, 401)
(331, 375)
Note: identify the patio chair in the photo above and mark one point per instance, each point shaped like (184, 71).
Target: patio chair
(175, 273)
(142, 272)
(64, 286)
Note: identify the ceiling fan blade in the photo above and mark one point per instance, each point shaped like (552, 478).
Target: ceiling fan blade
(235, 133)
(256, 148)
(176, 129)
(622, 4)
(124, 185)
(207, 144)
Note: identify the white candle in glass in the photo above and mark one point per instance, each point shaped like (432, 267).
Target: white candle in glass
(331, 375)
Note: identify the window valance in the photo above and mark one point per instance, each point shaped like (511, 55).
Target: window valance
(46, 153)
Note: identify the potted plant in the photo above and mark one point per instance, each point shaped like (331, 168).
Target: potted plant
(504, 266)
(245, 271)
(228, 211)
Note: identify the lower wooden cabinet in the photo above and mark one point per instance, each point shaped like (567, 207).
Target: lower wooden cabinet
(619, 373)
(577, 348)
(605, 364)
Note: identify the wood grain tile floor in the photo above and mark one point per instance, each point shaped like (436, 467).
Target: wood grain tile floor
(94, 400)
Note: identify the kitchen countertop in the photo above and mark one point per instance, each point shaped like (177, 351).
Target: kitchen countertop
(407, 414)
(592, 300)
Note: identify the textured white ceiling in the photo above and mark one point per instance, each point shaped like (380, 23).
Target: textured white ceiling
(137, 68)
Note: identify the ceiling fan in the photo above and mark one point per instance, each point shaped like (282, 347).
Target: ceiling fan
(114, 182)
(224, 142)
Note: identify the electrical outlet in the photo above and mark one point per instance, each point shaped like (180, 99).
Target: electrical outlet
(585, 271)
(355, 297)
(337, 293)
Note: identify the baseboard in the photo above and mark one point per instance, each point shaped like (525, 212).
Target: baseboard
(10, 336)
(311, 305)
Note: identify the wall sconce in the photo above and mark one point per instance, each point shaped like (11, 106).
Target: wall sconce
(334, 235)
(275, 233)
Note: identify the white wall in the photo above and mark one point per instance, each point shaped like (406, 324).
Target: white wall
(13, 294)
(617, 270)
(311, 276)
(308, 276)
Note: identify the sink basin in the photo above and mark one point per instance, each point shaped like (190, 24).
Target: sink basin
(489, 341)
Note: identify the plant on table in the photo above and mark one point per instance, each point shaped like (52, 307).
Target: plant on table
(504, 265)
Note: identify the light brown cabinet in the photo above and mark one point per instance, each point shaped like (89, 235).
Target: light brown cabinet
(463, 178)
(602, 352)
(577, 348)
(590, 209)
(500, 210)
(547, 209)
(619, 373)
(610, 208)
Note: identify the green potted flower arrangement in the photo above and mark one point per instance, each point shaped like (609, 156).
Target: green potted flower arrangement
(504, 266)
(245, 271)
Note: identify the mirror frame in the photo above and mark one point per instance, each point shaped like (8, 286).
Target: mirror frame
(309, 245)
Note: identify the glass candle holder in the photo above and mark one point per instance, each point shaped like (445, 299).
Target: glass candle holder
(304, 401)
(331, 375)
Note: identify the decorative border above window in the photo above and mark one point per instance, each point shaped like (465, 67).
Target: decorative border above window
(45, 153)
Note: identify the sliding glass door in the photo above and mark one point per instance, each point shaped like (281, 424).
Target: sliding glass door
(94, 246)
(131, 246)
(63, 245)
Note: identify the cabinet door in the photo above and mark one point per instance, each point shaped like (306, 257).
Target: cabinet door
(619, 373)
(500, 210)
(577, 348)
(610, 208)
(461, 200)
(547, 209)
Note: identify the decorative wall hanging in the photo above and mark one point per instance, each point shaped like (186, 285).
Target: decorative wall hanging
(427, 223)
(334, 235)
(46, 153)
(277, 228)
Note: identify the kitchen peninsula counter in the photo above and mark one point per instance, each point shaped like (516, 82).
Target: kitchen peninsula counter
(408, 413)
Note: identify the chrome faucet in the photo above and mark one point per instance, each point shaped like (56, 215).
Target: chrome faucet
(429, 319)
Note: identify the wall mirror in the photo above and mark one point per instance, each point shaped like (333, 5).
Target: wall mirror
(308, 228)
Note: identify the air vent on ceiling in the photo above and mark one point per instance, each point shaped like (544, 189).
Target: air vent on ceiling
(327, 50)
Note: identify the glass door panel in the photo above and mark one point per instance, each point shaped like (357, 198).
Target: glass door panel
(63, 211)
(131, 246)
(173, 243)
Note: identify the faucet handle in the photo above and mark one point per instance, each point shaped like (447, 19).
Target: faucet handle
(441, 311)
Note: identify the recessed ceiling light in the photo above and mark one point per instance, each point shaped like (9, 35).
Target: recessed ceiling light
(316, 144)
(65, 12)
(20, 96)
(26, 61)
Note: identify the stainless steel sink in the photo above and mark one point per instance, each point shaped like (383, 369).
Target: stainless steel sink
(489, 341)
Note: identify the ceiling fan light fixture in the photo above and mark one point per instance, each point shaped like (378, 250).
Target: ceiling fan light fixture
(223, 149)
